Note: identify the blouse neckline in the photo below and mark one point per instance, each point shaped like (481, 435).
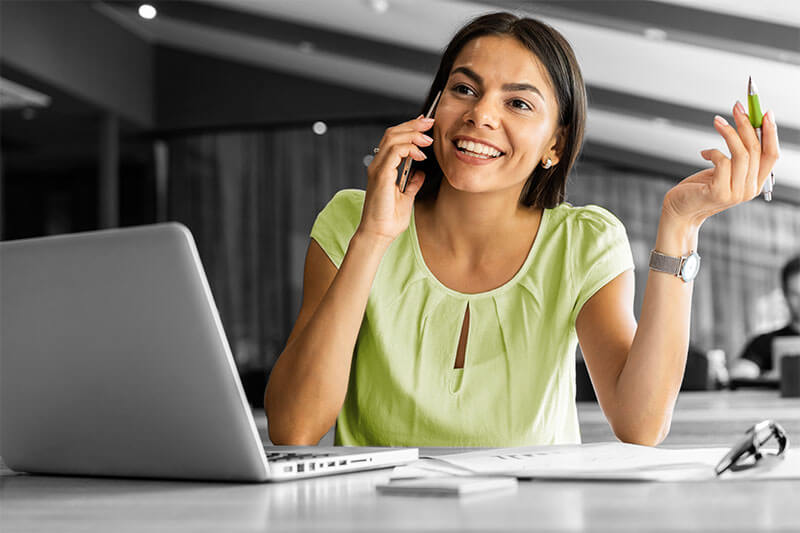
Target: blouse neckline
(469, 296)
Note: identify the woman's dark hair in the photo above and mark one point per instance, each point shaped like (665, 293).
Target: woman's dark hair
(545, 188)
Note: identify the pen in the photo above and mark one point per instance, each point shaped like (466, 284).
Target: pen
(754, 110)
(402, 179)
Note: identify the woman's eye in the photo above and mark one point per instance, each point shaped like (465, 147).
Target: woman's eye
(461, 88)
(513, 102)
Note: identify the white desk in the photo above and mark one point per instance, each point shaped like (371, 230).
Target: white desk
(350, 503)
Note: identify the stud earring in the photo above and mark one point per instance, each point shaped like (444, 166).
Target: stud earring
(548, 164)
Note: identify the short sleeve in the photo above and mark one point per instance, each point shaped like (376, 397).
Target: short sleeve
(601, 252)
(337, 222)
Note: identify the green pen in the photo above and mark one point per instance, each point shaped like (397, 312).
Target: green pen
(754, 110)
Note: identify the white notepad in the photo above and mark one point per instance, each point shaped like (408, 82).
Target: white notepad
(448, 485)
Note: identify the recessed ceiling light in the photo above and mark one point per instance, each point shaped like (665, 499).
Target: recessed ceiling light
(380, 6)
(146, 11)
(319, 127)
(655, 34)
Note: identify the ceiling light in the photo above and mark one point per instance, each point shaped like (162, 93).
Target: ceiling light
(146, 11)
(319, 127)
(655, 34)
(379, 6)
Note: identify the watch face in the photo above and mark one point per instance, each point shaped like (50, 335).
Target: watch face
(691, 266)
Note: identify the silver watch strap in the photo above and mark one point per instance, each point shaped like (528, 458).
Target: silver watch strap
(665, 263)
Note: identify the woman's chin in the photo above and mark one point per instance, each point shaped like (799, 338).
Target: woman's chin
(466, 182)
(469, 186)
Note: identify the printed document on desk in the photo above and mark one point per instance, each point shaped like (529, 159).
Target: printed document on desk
(600, 461)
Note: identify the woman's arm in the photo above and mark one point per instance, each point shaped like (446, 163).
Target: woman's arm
(308, 383)
(637, 370)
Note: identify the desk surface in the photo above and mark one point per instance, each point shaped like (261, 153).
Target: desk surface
(350, 502)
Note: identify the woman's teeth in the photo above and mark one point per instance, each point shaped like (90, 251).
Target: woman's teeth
(481, 151)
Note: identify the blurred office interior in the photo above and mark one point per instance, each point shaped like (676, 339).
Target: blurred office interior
(242, 118)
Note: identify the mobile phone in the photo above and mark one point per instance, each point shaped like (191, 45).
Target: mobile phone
(402, 177)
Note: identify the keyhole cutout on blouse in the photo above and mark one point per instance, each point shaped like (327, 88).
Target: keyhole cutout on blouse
(462, 342)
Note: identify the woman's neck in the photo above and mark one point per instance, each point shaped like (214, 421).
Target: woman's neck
(476, 226)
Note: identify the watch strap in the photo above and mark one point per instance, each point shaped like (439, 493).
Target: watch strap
(665, 263)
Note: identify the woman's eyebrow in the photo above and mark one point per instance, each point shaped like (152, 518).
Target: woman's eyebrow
(468, 72)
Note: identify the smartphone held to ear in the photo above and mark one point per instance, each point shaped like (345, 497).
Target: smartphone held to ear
(405, 167)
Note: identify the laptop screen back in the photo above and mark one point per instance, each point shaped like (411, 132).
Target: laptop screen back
(113, 361)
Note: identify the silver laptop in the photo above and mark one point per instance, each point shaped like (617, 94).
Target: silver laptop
(113, 362)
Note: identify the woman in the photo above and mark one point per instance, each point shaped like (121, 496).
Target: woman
(448, 315)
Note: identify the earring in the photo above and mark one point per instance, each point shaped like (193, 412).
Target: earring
(548, 164)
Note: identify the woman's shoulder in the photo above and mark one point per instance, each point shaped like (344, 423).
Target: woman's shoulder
(586, 219)
(348, 199)
(344, 208)
(337, 222)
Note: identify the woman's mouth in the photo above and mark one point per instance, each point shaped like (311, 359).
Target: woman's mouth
(475, 153)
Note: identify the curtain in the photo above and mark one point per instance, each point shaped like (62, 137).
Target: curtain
(250, 199)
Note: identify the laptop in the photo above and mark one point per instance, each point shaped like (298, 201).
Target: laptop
(114, 362)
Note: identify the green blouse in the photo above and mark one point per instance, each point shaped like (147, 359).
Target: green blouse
(517, 386)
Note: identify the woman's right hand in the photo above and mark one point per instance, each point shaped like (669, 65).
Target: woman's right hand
(387, 211)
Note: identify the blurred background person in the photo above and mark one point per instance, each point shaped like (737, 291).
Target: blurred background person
(756, 359)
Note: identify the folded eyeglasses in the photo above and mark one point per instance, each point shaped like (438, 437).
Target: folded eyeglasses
(750, 446)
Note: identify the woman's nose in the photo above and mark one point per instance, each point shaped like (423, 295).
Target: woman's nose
(482, 113)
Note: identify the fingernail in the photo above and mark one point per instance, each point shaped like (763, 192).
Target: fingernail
(740, 107)
(420, 116)
(771, 116)
(721, 121)
(427, 119)
(427, 138)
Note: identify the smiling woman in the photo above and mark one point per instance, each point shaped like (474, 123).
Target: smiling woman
(449, 314)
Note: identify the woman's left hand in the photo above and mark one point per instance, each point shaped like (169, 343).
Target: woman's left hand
(732, 180)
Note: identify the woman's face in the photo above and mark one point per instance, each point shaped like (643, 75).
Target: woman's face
(498, 93)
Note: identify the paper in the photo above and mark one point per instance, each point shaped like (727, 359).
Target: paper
(600, 461)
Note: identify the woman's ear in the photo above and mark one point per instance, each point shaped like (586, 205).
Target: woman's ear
(556, 145)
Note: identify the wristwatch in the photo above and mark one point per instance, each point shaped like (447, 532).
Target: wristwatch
(685, 267)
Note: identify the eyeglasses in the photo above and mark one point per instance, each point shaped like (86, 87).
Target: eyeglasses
(751, 446)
